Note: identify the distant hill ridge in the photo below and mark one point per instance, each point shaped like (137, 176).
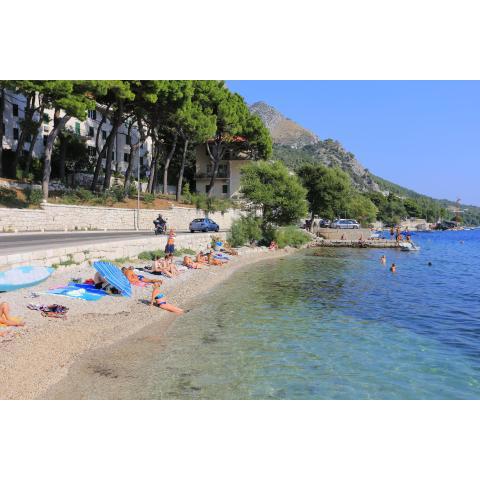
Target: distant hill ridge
(294, 145)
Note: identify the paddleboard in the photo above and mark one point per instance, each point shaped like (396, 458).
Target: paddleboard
(23, 277)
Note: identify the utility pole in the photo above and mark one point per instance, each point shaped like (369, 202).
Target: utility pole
(138, 192)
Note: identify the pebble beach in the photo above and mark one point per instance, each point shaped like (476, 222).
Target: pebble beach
(38, 355)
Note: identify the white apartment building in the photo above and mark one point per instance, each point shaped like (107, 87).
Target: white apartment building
(15, 111)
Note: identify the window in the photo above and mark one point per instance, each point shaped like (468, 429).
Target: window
(104, 134)
(45, 138)
(104, 154)
(91, 131)
(15, 109)
(125, 157)
(222, 170)
(141, 161)
(45, 118)
(113, 155)
(91, 151)
(224, 188)
(92, 114)
(77, 128)
(207, 188)
(15, 133)
(128, 140)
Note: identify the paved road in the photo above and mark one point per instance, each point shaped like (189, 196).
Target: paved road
(28, 242)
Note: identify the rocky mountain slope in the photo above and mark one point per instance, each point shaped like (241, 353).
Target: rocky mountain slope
(283, 130)
(294, 145)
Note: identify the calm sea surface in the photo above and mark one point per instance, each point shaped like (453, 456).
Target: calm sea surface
(334, 326)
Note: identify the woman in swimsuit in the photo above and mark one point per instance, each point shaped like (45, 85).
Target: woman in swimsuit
(160, 301)
(189, 263)
(159, 268)
(214, 261)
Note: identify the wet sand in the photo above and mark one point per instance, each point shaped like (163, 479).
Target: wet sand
(36, 357)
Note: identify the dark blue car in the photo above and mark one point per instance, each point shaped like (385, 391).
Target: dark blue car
(203, 225)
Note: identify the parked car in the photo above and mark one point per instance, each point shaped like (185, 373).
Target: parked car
(325, 223)
(203, 225)
(345, 223)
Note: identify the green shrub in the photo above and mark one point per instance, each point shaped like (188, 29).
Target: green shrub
(34, 196)
(84, 194)
(290, 236)
(148, 198)
(181, 252)
(245, 230)
(114, 194)
(150, 255)
(132, 191)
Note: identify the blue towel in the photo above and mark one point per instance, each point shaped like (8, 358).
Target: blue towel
(72, 291)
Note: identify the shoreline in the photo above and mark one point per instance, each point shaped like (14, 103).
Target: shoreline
(36, 357)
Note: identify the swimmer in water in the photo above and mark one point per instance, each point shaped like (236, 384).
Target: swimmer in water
(393, 268)
(383, 259)
(429, 264)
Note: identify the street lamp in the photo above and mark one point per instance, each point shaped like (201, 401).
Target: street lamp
(138, 193)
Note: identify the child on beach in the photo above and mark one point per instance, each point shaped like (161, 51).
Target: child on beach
(170, 246)
(160, 301)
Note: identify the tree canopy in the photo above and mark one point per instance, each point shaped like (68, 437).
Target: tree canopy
(269, 186)
(328, 189)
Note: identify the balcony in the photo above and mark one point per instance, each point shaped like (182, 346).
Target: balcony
(220, 176)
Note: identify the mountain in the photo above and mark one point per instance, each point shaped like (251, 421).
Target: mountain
(294, 145)
(283, 130)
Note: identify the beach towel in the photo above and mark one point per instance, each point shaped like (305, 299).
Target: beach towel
(72, 291)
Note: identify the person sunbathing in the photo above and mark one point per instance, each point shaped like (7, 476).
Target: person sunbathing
(6, 319)
(227, 248)
(160, 301)
(135, 279)
(189, 263)
(201, 258)
(159, 268)
(170, 265)
(273, 245)
(214, 261)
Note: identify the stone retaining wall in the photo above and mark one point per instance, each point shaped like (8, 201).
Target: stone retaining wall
(352, 234)
(53, 217)
(128, 248)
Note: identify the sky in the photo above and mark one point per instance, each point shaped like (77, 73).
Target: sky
(423, 135)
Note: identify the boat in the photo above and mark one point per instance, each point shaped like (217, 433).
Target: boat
(408, 247)
(23, 277)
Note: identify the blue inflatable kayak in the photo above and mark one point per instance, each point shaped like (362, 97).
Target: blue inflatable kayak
(23, 277)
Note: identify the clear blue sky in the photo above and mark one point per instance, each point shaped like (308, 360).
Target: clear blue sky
(423, 135)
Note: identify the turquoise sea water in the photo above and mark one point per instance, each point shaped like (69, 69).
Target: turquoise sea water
(335, 326)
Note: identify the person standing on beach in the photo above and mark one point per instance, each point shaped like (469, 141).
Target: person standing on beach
(170, 246)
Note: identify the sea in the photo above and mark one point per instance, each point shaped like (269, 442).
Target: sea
(327, 323)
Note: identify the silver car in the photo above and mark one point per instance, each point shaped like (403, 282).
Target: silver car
(345, 223)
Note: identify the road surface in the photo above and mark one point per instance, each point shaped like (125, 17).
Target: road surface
(29, 242)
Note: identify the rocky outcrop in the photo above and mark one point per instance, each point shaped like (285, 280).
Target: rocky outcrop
(283, 130)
